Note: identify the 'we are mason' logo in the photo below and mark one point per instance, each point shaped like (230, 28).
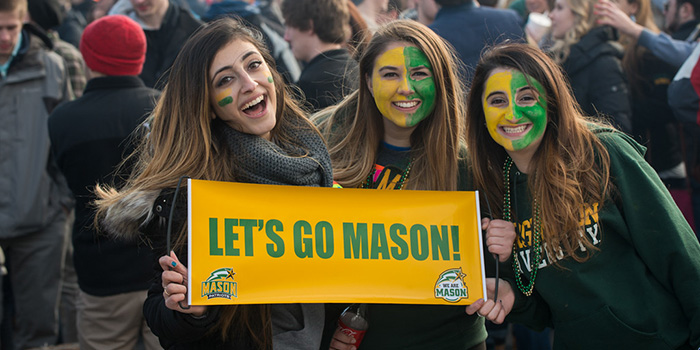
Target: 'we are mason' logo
(217, 285)
(450, 286)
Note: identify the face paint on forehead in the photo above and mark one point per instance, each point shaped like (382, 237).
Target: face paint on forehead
(416, 58)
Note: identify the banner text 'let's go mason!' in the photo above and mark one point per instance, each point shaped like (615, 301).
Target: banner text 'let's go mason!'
(359, 240)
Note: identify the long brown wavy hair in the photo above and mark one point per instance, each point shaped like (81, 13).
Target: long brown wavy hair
(354, 128)
(183, 140)
(570, 168)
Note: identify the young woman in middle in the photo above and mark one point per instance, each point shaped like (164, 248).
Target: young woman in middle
(402, 129)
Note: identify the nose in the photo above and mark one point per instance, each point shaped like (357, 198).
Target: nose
(511, 116)
(405, 87)
(248, 83)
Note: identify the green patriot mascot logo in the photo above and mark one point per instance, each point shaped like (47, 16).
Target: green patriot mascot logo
(217, 285)
(450, 286)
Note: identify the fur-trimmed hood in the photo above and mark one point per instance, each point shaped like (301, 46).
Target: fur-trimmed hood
(128, 216)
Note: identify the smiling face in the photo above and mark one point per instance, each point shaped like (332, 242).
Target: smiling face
(515, 112)
(563, 19)
(242, 89)
(402, 85)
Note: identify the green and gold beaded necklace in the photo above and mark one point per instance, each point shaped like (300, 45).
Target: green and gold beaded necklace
(536, 234)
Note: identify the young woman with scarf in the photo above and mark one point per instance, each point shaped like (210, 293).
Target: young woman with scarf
(225, 115)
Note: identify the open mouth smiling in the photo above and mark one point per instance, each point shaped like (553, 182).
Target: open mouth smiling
(406, 105)
(256, 107)
(515, 130)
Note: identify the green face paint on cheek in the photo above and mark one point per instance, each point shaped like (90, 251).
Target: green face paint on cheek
(424, 88)
(225, 101)
(536, 114)
(270, 80)
(224, 98)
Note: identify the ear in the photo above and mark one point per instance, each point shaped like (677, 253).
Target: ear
(368, 78)
(311, 28)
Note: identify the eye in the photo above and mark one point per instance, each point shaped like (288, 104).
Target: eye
(255, 64)
(224, 80)
(497, 101)
(420, 74)
(527, 98)
(389, 75)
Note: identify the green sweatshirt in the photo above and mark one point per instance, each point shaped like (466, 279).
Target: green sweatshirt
(408, 327)
(640, 290)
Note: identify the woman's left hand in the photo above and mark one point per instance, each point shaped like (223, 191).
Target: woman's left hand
(174, 279)
(500, 235)
(494, 310)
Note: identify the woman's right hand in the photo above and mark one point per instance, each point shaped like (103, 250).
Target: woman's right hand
(342, 341)
(174, 279)
(500, 235)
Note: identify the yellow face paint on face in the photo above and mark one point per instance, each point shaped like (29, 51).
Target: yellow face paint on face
(515, 112)
(403, 85)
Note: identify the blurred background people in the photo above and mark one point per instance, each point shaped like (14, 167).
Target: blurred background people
(470, 28)
(34, 199)
(89, 138)
(167, 26)
(591, 59)
(316, 31)
(372, 11)
(653, 122)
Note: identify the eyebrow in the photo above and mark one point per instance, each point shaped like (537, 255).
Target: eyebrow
(525, 88)
(495, 93)
(388, 67)
(243, 58)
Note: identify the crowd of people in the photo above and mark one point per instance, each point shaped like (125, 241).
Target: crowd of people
(578, 121)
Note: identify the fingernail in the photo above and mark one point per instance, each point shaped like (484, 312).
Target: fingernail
(173, 263)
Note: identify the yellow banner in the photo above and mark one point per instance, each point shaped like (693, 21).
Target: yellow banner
(251, 244)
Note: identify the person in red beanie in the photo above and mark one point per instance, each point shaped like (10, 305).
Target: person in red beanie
(89, 138)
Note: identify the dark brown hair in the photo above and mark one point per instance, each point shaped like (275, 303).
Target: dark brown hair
(327, 18)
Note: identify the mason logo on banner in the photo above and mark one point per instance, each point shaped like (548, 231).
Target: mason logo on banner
(251, 244)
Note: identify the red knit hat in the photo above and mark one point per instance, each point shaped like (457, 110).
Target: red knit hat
(114, 45)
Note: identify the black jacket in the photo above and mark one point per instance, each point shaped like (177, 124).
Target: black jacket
(89, 140)
(598, 82)
(164, 44)
(326, 78)
(653, 124)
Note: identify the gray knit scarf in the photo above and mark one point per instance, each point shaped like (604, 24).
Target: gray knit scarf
(263, 162)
